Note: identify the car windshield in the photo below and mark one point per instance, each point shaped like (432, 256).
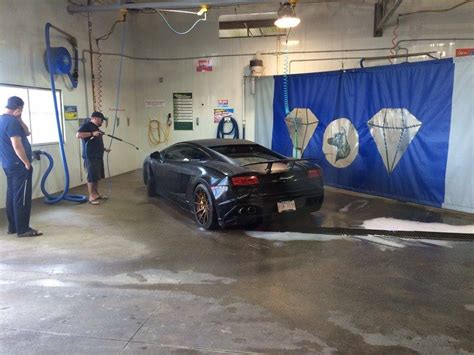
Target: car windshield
(247, 154)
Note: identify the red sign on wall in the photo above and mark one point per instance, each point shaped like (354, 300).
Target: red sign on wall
(462, 52)
(204, 65)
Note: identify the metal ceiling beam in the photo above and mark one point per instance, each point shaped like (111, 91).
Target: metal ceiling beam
(384, 9)
(167, 5)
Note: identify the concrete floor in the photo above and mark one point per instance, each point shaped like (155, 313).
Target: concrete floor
(136, 275)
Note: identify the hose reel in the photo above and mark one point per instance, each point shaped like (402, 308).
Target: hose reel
(61, 62)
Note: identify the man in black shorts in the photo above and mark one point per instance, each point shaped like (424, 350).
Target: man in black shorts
(93, 154)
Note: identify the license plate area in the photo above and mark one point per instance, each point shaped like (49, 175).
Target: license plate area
(284, 206)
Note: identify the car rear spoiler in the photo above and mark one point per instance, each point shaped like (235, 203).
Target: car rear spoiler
(291, 163)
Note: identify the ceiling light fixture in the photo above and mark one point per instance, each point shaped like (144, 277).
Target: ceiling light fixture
(202, 11)
(286, 16)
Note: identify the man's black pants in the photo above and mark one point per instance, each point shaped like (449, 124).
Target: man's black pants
(18, 204)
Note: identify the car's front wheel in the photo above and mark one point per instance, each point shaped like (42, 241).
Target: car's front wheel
(204, 211)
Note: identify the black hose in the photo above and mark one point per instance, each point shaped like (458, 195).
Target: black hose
(234, 130)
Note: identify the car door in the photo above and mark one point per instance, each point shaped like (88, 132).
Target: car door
(170, 171)
(193, 157)
(181, 163)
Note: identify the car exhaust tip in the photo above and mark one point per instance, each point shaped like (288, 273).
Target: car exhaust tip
(251, 210)
(242, 210)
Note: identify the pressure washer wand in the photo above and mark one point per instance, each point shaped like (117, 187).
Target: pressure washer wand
(121, 140)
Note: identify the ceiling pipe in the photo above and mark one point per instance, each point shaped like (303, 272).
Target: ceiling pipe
(420, 54)
(397, 44)
(342, 59)
(168, 5)
(232, 55)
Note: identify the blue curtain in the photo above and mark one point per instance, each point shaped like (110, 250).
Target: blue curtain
(424, 89)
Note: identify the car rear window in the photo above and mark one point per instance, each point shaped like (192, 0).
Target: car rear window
(247, 154)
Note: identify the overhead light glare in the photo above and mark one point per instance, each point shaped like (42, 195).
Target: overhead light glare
(287, 22)
(202, 11)
(287, 17)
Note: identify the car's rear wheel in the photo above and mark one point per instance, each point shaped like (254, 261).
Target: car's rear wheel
(151, 185)
(204, 211)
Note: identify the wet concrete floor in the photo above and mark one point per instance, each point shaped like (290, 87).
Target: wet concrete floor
(135, 275)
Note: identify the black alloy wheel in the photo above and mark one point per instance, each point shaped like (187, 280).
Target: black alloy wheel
(204, 211)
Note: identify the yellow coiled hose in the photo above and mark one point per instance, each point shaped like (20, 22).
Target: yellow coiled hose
(158, 132)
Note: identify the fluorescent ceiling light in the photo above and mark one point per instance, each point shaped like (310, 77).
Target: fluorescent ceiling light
(287, 17)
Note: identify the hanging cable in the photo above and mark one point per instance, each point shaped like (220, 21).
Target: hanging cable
(393, 50)
(119, 82)
(437, 10)
(91, 59)
(395, 43)
(108, 34)
(203, 12)
(285, 76)
(98, 82)
(99, 74)
(286, 95)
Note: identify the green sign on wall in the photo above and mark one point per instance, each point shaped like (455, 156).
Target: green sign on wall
(183, 111)
(183, 126)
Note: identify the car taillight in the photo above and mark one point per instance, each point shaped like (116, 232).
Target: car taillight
(314, 173)
(245, 180)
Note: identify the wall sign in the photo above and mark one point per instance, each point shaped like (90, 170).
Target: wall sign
(155, 103)
(70, 113)
(220, 113)
(462, 52)
(223, 103)
(204, 65)
(183, 111)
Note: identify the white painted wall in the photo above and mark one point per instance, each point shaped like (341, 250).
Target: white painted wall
(325, 26)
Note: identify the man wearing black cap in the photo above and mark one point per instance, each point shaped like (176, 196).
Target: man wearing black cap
(15, 151)
(93, 154)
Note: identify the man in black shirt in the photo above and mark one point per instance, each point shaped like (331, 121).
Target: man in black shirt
(93, 154)
(15, 154)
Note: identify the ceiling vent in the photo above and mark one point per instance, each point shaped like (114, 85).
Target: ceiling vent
(249, 25)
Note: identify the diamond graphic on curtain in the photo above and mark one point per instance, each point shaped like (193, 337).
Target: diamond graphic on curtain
(301, 124)
(393, 129)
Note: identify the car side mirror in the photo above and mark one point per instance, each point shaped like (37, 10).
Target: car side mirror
(156, 155)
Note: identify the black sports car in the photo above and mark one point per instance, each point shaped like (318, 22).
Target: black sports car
(228, 182)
